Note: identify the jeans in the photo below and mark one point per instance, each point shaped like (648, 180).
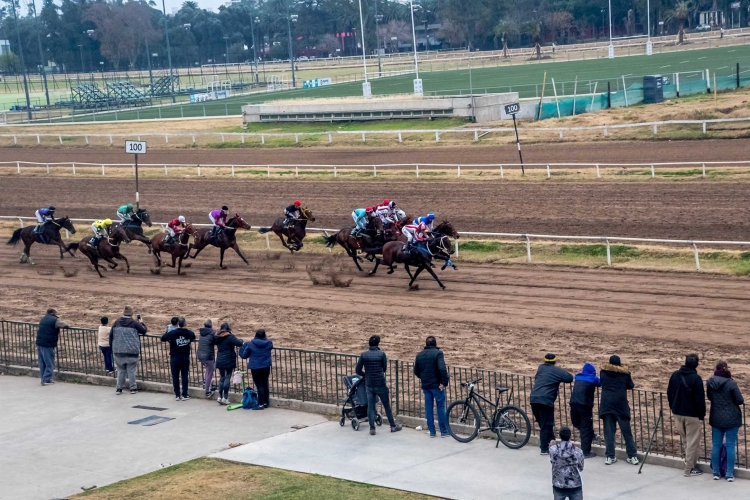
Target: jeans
(126, 366)
(567, 493)
(689, 429)
(438, 397)
(717, 436)
(208, 376)
(582, 419)
(107, 353)
(46, 362)
(610, 427)
(545, 417)
(224, 382)
(180, 367)
(373, 393)
(260, 379)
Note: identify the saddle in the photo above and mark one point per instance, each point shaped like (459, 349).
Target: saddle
(94, 245)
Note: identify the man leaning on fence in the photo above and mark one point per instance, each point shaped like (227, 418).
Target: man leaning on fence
(687, 400)
(430, 369)
(543, 395)
(46, 342)
(126, 347)
(372, 365)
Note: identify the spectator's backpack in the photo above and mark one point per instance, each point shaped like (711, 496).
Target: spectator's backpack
(250, 399)
(722, 465)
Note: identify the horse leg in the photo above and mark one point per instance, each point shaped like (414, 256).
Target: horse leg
(197, 250)
(174, 260)
(429, 270)
(112, 263)
(414, 278)
(120, 256)
(236, 248)
(26, 254)
(157, 256)
(281, 237)
(179, 264)
(63, 248)
(221, 258)
(374, 269)
(95, 263)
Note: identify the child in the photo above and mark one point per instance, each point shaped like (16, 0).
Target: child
(567, 465)
(104, 346)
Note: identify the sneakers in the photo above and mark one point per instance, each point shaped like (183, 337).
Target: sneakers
(396, 428)
(133, 391)
(433, 435)
(223, 401)
(590, 454)
(372, 431)
(178, 398)
(610, 460)
(186, 398)
(716, 478)
(445, 435)
(209, 394)
(118, 391)
(693, 472)
(542, 452)
(47, 383)
(730, 479)
(633, 461)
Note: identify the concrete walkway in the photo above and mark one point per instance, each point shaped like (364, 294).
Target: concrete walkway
(56, 439)
(410, 460)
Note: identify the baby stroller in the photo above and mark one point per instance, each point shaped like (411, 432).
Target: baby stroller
(355, 402)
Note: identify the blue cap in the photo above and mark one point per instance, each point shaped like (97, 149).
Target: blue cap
(430, 215)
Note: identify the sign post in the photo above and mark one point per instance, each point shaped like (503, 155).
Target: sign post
(136, 148)
(512, 109)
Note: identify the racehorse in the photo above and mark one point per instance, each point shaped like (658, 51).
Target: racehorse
(393, 252)
(294, 233)
(134, 228)
(178, 250)
(107, 249)
(50, 236)
(225, 239)
(446, 228)
(369, 241)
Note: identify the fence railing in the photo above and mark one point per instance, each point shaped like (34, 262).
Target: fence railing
(317, 376)
(606, 240)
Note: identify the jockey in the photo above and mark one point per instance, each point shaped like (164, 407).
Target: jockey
(125, 212)
(174, 228)
(101, 230)
(42, 215)
(428, 219)
(416, 234)
(386, 211)
(292, 212)
(218, 219)
(361, 218)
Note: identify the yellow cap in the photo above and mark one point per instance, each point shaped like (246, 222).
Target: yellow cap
(108, 222)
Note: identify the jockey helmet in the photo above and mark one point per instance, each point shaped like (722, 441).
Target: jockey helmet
(392, 204)
(297, 203)
(181, 219)
(107, 222)
(431, 216)
(51, 209)
(130, 206)
(225, 208)
(368, 210)
(386, 201)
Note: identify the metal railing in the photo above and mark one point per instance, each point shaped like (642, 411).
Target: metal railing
(316, 376)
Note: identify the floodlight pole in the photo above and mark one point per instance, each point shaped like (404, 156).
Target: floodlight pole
(649, 46)
(150, 72)
(377, 36)
(169, 52)
(23, 63)
(611, 47)
(291, 47)
(41, 56)
(366, 91)
(414, 40)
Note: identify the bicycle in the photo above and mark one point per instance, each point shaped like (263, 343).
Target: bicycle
(510, 423)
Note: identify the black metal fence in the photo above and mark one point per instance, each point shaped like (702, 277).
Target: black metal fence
(317, 376)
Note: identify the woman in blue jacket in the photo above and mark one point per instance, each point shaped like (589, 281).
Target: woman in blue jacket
(258, 355)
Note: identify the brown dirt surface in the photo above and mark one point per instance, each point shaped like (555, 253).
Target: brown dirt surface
(609, 152)
(497, 317)
(678, 210)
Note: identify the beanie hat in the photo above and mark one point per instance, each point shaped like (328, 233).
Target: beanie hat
(128, 311)
(614, 360)
(549, 358)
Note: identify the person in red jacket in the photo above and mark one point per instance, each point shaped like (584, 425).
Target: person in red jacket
(174, 228)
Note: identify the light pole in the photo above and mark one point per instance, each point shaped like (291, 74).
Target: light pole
(23, 64)
(378, 18)
(417, 81)
(289, 19)
(226, 56)
(366, 88)
(169, 52)
(41, 57)
(603, 22)
(649, 45)
(150, 73)
(611, 49)
(83, 69)
(255, 53)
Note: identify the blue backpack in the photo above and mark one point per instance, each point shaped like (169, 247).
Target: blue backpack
(249, 399)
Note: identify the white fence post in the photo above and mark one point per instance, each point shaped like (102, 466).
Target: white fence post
(296, 170)
(417, 171)
(102, 169)
(609, 254)
(166, 172)
(704, 170)
(199, 170)
(222, 138)
(704, 127)
(697, 258)
(60, 138)
(242, 138)
(476, 135)
(21, 221)
(268, 242)
(605, 131)
(38, 141)
(268, 170)
(15, 140)
(399, 137)
(18, 167)
(548, 174)
(193, 140)
(598, 174)
(456, 241)
(374, 171)
(110, 140)
(166, 139)
(437, 136)
(48, 168)
(502, 175)
(458, 172)
(87, 139)
(74, 169)
(262, 139)
(334, 170)
(330, 139)
(67, 235)
(653, 172)
(655, 128)
(528, 249)
(363, 137)
(561, 135)
(296, 138)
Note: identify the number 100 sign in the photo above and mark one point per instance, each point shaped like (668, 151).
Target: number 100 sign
(135, 147)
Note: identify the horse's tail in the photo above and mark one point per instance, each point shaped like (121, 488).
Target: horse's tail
(73, 246)
(16, 237)
(264, 230)
(330, 240)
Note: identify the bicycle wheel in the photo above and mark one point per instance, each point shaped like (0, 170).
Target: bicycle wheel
(463, 421)
(512, 427)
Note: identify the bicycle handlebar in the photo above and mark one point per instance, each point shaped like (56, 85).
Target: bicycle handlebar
(474, 382)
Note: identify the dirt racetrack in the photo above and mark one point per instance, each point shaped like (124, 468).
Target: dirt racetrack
(502, 317)
(609, 152)
(680, 210)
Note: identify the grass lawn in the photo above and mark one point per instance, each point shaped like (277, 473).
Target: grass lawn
(213, 478)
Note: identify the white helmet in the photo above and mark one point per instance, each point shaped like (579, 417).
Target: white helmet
(181, 219)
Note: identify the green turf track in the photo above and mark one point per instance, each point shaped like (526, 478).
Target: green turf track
(525, 79)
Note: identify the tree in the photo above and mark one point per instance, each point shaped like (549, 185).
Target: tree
(399, 30)
(679, 13)
(534, 31)
(504, 29)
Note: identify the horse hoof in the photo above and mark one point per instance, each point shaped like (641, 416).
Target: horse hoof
(443, 288)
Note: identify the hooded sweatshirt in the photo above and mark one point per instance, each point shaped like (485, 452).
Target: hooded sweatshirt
(258, 353)
(567, 464)
(726, 400)
(616, 382)
(585, 386)
(179, 342)
(226, 356)
(206, 345)
(124, 337)
(685, 393)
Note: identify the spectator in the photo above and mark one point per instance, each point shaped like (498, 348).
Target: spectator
(172, 324)
(372, 365)
(543, 396)
(206, 355)
(725, 417)
(687, 401)
(582, 406)
(614, 409)
(258, 355)
(226, 360)
(126, 347)
(179, 357)
(429, 367)
(46, 342)
(104, 346)
(567, 465)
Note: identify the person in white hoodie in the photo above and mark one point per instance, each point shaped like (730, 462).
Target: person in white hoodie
(103, 342)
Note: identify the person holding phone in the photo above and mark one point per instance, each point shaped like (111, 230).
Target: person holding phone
(126, 348)
(429, 367)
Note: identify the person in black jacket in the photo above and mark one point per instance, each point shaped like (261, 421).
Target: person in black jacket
(582, 406)
(614, 408)
(543, 395)
(46, 341)
(207, 356)
(226, 360)
(372, 365)
(687, 400)
(179, 357)
(429, 367)
(725, 417)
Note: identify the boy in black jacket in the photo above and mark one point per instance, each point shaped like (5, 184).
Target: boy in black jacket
(179, 357)
(687, 400)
